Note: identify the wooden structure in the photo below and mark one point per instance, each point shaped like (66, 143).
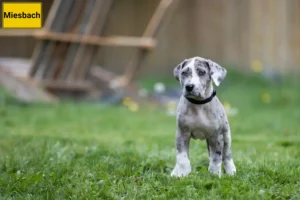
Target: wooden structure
(233, 33)
(70, 41)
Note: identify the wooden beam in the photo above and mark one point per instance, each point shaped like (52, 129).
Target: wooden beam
(90, 21)
(52, 14)
(61, 52)
(55, 61)
(17, 32)
(79, 28)
(18, 67)
(86, 53)
(24, 89)
(150, 32)
(92, 52)
(63, 85)
(144, 43)
(57, 25)
(157, 17)
(41, 46)
(102, 74)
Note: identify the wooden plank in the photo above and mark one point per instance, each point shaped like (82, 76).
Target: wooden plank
(37, 56)
(45, 60)
(62, 17)
(157, 18)
(89, 55)
(74, 16)
(62, 49)
(24, 89)
(52, 14)
(127, 41)
(86, 61)
(56, 22)
(92, 20)
(150, 32)
(55, 63)
(19, 67)
(67, 63)
(64, 85)
(17, 32)
(73, 48)
(102, 74)
(41, 45)
(71, 13)
(52, 49)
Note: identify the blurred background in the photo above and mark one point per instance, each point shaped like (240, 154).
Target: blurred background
(88, 102)
(98, 48)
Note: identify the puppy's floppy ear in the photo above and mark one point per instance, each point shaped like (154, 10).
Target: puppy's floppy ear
(177, 69)
(217, 73)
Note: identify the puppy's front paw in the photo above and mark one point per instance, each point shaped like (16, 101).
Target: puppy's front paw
(181, 170)
(215, 169)
(229, 167)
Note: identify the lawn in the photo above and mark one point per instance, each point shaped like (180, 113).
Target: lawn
(94, 151)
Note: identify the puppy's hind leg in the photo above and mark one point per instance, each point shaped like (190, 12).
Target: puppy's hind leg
(227, 156)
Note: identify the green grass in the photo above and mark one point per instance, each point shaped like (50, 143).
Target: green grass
(82, 151)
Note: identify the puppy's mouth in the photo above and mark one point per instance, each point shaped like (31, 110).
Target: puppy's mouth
(193, 95)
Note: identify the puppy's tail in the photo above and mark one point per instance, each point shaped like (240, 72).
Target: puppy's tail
(207, 143)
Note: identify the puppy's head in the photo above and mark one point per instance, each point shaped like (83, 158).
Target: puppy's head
(196, 76)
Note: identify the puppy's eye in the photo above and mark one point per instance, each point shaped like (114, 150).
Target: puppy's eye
(201, 72)
(184, 73)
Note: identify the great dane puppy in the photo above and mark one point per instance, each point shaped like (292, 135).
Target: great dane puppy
(200, 115)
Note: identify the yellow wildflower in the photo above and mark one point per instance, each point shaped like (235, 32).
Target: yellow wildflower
(133, 107)
(127, 101)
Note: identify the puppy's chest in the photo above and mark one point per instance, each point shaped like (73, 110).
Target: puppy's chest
(202, 125)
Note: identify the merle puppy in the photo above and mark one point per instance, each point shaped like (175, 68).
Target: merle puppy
(200, 115)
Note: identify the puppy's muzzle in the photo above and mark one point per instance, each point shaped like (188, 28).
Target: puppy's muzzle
(189, 87)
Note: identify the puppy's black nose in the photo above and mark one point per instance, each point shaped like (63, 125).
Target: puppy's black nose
(189, 87)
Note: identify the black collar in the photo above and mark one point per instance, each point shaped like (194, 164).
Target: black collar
(194, 101)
